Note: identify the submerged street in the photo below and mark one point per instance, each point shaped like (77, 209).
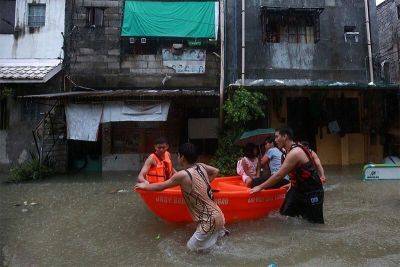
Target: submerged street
(87, 220)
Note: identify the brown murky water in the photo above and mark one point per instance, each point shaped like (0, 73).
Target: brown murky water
(77, 221)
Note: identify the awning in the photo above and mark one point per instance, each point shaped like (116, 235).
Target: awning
(183, 19)
(83, 120)
(123, 94)
(28, 70)
(312, 84)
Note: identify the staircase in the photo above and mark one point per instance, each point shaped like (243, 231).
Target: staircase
(50, 136)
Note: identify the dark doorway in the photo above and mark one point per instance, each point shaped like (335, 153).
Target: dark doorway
(300, 119)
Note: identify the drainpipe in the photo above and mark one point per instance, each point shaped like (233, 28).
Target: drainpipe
(243, 40)
(222, 59)
(371, 71)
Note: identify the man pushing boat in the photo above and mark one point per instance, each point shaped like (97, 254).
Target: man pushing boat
(158, 166)
(306, 195)
(194, 181)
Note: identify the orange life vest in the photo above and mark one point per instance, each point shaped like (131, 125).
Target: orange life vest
(162, 171)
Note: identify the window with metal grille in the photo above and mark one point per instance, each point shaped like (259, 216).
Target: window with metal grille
(36, 15)
(95, 16)
(290, 25)
(7, 16)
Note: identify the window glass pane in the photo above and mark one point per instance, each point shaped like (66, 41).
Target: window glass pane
(36, 15)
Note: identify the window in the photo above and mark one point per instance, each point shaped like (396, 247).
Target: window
(139, 46)
(3, 114)
(30, 111)
(346, 112)
(95, 16)
(7, 17)
(36, 15)
(398, 11)
(290, 25)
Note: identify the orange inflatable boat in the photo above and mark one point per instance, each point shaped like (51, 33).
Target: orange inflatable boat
(231, 195)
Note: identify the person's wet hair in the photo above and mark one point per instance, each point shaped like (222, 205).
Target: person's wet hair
(161, 140)
(305, 144)
(270, 140)
(188, 150)
(248, 151)
(286, 131)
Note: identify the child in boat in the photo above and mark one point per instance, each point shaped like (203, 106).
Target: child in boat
(194, 181)
(248, 166)
(272, 160)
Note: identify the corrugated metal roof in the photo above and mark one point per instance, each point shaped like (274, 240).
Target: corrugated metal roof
(311, 84)
(28, 70)
(128, 93)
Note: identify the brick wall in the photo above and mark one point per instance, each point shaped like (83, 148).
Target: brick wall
(95, 56)
(389, 37)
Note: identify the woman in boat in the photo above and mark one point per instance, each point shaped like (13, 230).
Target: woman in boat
(306, 195)
(194, 181)
(248, 166)
(158, 166)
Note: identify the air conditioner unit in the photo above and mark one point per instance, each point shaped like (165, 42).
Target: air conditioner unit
(143, 40)
(132, 40)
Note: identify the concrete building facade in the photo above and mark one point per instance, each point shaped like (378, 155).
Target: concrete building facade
(31, 41)
(388, 16)
(311, 60)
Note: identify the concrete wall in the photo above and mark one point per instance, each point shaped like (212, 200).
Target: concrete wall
(43, 42)
(389, 36)
(329, 59)
(96, 57)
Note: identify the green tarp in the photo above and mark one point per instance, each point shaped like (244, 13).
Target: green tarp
(170, 19)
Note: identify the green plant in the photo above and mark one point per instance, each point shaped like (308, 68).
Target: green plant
(243, 106)
(30, 170)
(240, 108)
(5, 92)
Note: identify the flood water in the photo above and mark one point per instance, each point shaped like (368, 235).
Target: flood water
(81, 220)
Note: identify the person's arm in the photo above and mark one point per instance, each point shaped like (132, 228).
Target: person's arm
(173, 181)
(258, 170)
(211, 171)
(145, 169)
(265, 160)
(320, 169)
(288, 165)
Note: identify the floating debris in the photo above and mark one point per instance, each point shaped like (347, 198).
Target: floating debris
(24, 210)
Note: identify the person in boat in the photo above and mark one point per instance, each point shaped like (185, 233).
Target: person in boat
(272, 161)
(306, 195)
(194, 180)
(248, 166)
(158, 166)
(317, 161)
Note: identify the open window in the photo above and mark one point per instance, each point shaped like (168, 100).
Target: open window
(290, 25)
(7, 17)
(95, 16)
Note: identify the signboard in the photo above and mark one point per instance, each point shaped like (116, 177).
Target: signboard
(381, 172)
(191, 61)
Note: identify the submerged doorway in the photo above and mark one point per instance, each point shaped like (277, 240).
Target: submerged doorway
(299, 118)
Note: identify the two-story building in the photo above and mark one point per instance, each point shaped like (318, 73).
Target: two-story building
(311, 58)
(388, 16)
(137, 70)
(31, 53)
